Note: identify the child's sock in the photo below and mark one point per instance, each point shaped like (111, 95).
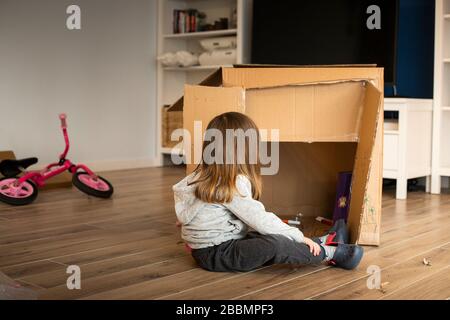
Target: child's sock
(329, 252)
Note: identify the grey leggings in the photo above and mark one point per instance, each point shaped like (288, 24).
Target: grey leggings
(254, 251)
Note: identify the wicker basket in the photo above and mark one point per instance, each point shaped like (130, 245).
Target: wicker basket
(171, 120)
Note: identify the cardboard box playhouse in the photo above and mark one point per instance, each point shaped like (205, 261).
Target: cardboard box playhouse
(330, 120)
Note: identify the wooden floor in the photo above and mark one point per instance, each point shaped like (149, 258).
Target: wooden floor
(129, 248)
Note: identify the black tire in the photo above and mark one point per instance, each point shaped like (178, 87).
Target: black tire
(20, 201)
(90, 191)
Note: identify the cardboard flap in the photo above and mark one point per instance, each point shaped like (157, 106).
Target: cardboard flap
(361, 208)
(250, 78)
(203, 104)
(309, 113)
(213, 80)
(265, 65)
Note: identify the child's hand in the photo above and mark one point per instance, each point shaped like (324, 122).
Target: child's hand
(314, 248)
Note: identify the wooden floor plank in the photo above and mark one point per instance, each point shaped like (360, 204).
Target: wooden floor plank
(117, 250)
(43, 235)
(163, 287)
(31, 268)
(122, 278)
(50, 250)
(58, 276)
(394, 277)
(434, 287)
(304, 287)
(245, 283)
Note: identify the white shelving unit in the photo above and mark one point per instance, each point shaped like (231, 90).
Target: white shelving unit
(441, 108)
(171, 80)
(172, 151)
(204, 34)
(407, 142)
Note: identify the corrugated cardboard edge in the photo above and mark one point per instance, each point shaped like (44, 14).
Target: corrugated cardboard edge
(278, 66)
(366, 231)
(251, 78)
(313, 83)
(376, 185)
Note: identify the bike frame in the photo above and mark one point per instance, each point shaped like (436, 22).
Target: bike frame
(54, 169)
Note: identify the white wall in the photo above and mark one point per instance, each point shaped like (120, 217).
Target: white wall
(103, 76)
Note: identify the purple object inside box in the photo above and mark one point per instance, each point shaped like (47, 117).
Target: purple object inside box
(342, 202)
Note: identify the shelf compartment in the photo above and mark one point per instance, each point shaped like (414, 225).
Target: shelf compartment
(201, 34)
(446, 8)
(178, 151)
(446, 82)
(391, 122)
(445, 43)
(444, 145)
(445, 171)
(391, 125)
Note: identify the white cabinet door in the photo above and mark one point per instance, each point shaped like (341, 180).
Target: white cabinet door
(390, 154)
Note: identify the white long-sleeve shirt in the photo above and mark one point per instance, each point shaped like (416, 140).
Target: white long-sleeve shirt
(205, 224)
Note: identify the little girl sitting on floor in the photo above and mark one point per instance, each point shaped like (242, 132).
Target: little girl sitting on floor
(218, 203)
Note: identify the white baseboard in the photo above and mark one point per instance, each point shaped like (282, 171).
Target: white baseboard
(113, 165)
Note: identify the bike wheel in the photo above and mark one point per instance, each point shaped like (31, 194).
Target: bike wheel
(97, 187)
(19, 195)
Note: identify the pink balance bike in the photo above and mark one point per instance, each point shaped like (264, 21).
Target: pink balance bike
(23, 190)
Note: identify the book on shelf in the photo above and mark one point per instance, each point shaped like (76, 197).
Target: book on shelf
(185, 21)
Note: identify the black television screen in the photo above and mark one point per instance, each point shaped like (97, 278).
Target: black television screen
(323, 32)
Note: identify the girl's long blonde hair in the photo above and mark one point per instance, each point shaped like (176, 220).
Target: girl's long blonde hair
(216, 182)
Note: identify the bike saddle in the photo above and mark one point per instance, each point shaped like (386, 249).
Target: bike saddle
(11, 168)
